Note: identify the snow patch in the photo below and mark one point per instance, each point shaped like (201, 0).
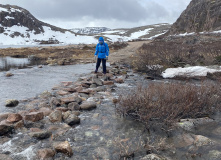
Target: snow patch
(3, 9)
(189, 71)
(8, 17)
(138, 34)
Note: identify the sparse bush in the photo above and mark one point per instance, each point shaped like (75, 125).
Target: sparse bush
(167, 103)
(177, 54)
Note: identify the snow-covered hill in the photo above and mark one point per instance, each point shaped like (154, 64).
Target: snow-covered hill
(19, 27)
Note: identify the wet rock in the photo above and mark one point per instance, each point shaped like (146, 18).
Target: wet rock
(9, 74)
(214, 155)
(5, 129)
(72, 120)
(19, 124)
(54, 102)
(88, 105)
(35, 130)
(191, 124)
(68, 100)
(34, 116)
(153, 157)
(62, 109)
(71, 90)
(55, 116)
(65, 115)
(108, 82)
(11, 103)
(46, 111)
(14, 117)
(184, 140)
(63, 93)
(119, 80)
(202, 141)
(64, 147)
(44, 105)
(97, 81)
(3, 116)
(46, 153)
(74, 106)
(5, 157)
(68, 83)
(40, 135)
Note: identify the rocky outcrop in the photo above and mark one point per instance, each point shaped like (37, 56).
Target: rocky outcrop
(200, 16)
(13, 15)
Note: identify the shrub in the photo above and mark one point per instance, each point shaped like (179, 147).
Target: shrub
(167, 103)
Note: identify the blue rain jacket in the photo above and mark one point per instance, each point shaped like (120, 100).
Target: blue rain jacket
(102, 50)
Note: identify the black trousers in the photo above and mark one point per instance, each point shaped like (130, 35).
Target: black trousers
(103, 64)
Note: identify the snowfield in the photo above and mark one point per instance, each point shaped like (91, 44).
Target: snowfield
(190, 71)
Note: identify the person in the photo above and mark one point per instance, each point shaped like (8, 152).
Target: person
(101, 54)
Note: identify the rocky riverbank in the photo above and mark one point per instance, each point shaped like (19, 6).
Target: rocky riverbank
(77, 120)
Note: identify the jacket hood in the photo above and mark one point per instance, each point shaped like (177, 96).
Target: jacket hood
(101, 39)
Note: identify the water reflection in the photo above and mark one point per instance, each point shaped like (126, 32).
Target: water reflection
(6, 63)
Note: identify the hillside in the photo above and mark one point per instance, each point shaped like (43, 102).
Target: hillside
(18, 26)
(200, 16)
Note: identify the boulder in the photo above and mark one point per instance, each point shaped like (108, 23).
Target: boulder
(55, 116)
(5, 129)
(14, 117)
(46, 153)
(40, 135)
(88, 105)
(64, 147)
(34, 116)
(74, 106)
(11, 103)
(72, 120)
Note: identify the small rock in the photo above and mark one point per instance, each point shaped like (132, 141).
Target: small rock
(55, 116)
(63, 93)
(62, 109)
(11, 103)
(202, 141)
(5, 129)
(40, 66)
(19, 124)
(34, 116)
(119, 80)
(68, 100)
(46, 153)
(14, 117)
(71, 90)
(64, 147)
(54, 102)
(97, 81)
(88, 105)
(153, 157)
(93, 86)
(9, 74)
(44, 105)
(108, 82)
(35, 130)
(74, 106)
(72, 120)
(46, 111)
(3, 116)
(65, 115)
(214, 155)
(67, 83)
(40, 135)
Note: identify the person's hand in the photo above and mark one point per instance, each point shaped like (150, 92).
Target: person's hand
(95, 57)
(106, 58)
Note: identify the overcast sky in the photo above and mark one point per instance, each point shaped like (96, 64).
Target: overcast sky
(103, 13)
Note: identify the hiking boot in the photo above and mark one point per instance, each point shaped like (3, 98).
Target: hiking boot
(95, 71)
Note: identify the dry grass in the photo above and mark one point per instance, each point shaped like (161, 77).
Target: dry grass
(167, 103)
(177, 54)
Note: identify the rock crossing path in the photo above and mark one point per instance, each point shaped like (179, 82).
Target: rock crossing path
(124, 55)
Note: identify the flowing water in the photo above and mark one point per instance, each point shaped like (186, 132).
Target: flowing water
(102, 133)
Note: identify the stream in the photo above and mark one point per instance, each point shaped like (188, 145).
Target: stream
(102, 134)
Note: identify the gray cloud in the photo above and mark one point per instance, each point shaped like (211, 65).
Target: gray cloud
(126, 12)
